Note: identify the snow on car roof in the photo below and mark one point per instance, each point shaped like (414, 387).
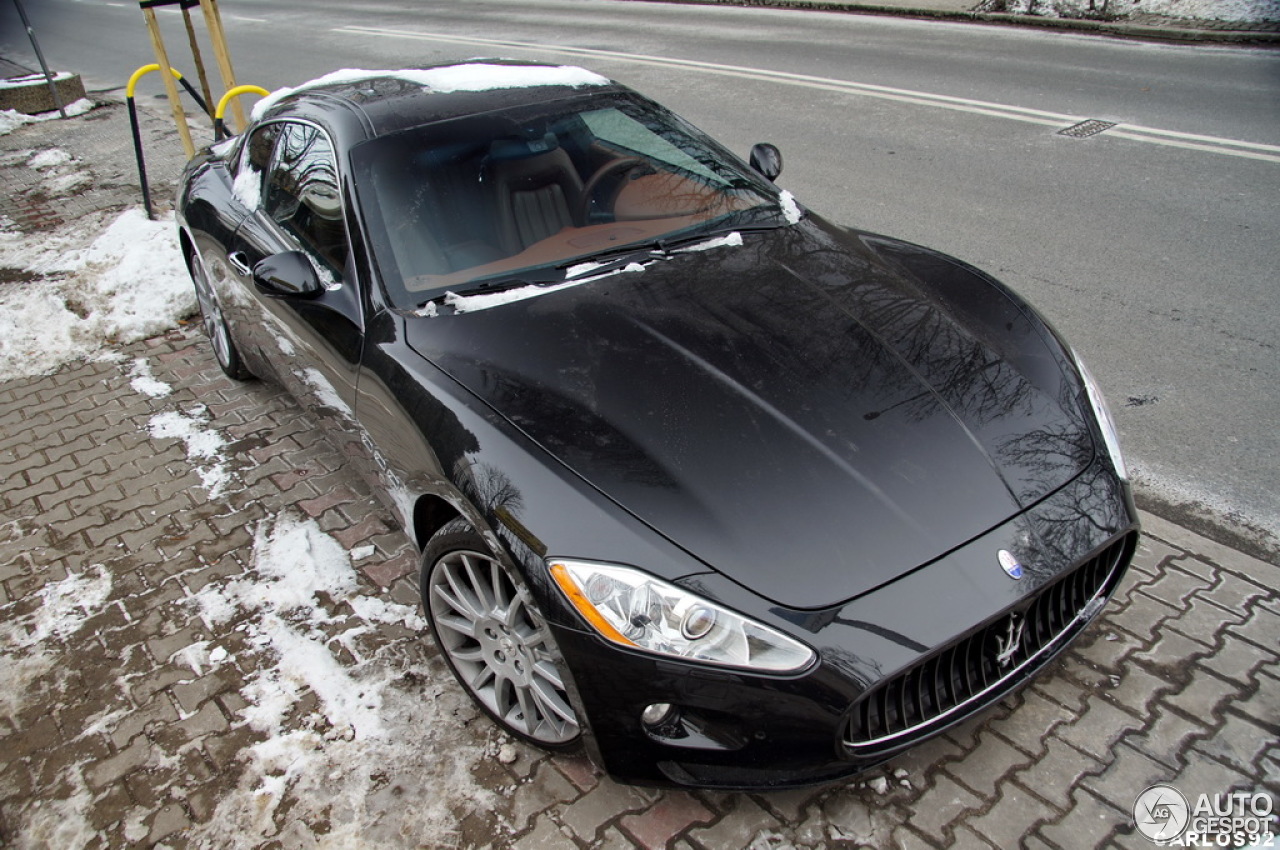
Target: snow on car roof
(467, 77)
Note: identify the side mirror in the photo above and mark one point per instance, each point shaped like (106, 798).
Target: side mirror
(287, 275)
(767, 159)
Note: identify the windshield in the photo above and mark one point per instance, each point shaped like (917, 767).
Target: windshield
(522, 195)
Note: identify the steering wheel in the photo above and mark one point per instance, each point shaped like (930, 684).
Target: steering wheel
(625, 163)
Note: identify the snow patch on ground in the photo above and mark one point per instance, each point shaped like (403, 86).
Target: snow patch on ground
(144, 382)
(58, 185)
(204, 447)
(51, 158)
(63, 822)
(11, 119)
(377, 760)
(128, 284)
(63, 608)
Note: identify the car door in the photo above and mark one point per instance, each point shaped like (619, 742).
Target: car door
(311, 342)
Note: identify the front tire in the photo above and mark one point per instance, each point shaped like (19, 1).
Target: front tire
(494, 639)
(215, 326)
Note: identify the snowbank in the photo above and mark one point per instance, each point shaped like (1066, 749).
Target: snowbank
(130, 283)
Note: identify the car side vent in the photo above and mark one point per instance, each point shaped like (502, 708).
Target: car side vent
(989, 663)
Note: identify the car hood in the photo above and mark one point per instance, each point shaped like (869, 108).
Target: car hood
(800, 412)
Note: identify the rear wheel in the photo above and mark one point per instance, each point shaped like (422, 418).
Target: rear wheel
(495, 639)
(215, 326)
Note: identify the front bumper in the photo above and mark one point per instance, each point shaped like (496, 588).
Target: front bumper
(896, 666)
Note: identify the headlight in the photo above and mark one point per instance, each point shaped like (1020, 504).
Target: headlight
(1103, 414)
(636, 610)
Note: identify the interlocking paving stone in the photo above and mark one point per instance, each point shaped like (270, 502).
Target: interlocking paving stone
(1053, 777)
(1014, 815)
(944, 804)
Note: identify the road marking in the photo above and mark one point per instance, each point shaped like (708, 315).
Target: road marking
(1131, 132)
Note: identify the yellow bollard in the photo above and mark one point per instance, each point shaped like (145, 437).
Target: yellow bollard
(219, 128)
(133, 122)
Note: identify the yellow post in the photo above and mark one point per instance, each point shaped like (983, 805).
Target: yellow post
(213, 22)
(175, 102)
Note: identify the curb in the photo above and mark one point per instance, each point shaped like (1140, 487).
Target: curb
(1108, 28)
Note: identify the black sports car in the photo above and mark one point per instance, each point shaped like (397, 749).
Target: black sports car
(731, 495)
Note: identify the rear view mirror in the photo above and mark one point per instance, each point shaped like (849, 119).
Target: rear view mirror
(289, 274)
(767, 159)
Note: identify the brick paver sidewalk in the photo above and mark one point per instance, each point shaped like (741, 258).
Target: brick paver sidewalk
(132, 710)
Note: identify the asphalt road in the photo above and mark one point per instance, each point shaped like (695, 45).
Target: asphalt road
(1152, 246)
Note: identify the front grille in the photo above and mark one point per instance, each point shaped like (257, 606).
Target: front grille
(988, 663)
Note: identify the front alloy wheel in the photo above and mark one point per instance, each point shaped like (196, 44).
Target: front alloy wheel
(215, 326)
(496, 642)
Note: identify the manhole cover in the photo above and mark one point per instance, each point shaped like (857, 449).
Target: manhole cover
(1085, 129)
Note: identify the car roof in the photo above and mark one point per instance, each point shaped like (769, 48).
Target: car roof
(388, 101)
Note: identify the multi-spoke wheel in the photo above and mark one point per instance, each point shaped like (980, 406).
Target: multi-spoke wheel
(494, 638)
(215, 326)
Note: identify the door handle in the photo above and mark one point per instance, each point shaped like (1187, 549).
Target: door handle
(239, 262)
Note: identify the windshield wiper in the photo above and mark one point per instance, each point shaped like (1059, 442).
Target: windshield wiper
(488, 286)
(675, 243)
(609, 256)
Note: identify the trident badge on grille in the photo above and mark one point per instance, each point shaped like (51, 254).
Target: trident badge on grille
(1008, 645)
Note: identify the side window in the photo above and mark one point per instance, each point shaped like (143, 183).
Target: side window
(254, 159)
(303, 196)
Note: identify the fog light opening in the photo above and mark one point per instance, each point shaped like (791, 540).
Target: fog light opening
(658, 714)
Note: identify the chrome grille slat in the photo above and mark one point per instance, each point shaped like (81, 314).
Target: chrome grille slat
(909, 704)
